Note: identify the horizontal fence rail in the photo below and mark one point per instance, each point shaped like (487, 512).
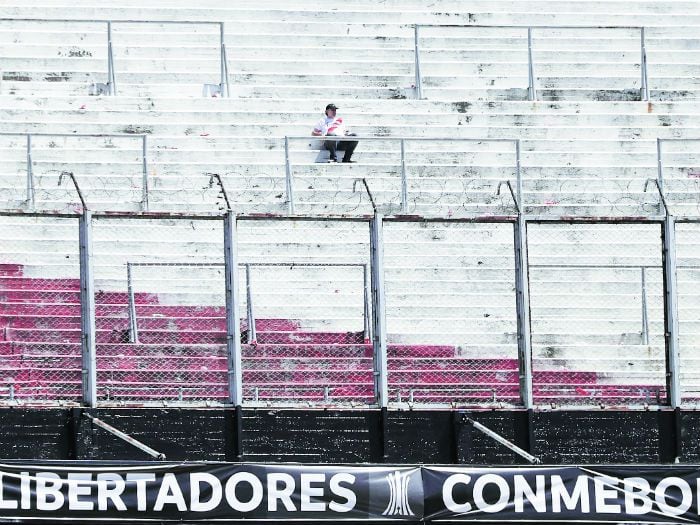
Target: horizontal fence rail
(176, 351)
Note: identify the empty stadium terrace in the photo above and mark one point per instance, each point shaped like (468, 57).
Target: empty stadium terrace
(518, 241)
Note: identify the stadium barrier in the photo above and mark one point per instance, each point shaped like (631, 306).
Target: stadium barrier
(69, 326)
(110, 86)
(532, 77)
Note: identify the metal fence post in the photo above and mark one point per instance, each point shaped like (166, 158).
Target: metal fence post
(381, 390)
(111, 76)
(233, 328)
(288, 178)
(522, 304)
(416, 56)
(531, 90)
(144, 154)
(252, 335)
(659, 164)
(30, 173)
(133, 324)
(673, 385)
(518, 178)
(645, 312)
(87, 312)
(404, 181)
(224, 66)
(643, 66)
(367, 294)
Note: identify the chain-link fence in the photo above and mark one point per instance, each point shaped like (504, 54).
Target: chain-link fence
(306, 299)
(451, 320)
(688, 280)
(40, 347)
(597, 314)
(305, 285)
(160, 310)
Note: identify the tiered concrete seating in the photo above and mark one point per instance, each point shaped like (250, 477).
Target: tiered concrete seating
(586, 150)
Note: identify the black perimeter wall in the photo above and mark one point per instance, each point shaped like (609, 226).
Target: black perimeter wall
(354, 436)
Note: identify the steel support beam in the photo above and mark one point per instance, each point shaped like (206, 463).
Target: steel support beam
(673, 384)
(522, 305)
(381, 388)
(233, 328)
(87, 312)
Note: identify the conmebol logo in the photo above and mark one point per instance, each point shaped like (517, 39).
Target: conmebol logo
(398, 498)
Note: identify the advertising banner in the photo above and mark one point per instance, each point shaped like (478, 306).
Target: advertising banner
(285, 492)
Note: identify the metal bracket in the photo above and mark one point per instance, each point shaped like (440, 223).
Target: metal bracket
(369, 193)
(512, 193)
(121, 435)
(220, 183)
(212, 90)
(99, 88)
(503, 441)
(661, 193)
(75, 183)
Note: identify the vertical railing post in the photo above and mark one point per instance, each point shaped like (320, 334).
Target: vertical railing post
(518, 178)
(288, 178)
(250, 313)
(133, 323)
(30, 173)
(531, 89)
(233, 329)
(416, 56)
(643, 66)
(367, 294)
(659, 165)
(378, 311)
(673, 383)
(645, 312)
(522, 306)
(111, 76)
(144, 174)
(223, 85)
(87, 312)
(404, 180)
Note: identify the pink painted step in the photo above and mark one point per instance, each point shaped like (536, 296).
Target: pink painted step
(11, 269)
(270, 337)
(37, 284)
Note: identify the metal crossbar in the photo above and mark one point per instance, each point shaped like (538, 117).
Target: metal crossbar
(532, 79)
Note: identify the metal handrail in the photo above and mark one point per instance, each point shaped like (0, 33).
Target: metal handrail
(111, 73)
(251, 334)
(289, 176)
(30, 171)
(532, 78)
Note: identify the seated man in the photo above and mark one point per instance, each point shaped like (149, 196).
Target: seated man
(332, 126)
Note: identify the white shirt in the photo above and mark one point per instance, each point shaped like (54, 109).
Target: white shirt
(330, 126)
